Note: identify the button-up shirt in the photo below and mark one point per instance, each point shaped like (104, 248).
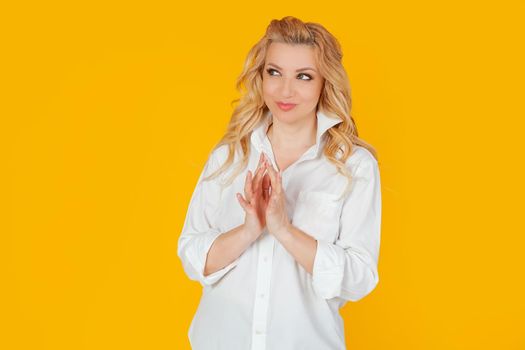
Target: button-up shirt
(265, 299)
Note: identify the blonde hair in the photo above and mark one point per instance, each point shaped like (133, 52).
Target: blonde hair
(334, 99)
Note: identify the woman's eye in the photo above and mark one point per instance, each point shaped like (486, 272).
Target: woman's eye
(270, 70)
(306, 75)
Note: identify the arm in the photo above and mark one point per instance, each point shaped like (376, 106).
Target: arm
(200, 261)
(227, 248)
(346, 268)
(300, 245)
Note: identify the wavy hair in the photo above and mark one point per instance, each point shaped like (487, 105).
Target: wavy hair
(335, 96)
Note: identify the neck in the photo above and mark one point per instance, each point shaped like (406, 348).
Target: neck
(293, 136)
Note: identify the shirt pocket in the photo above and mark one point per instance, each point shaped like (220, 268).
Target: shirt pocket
(317, 214)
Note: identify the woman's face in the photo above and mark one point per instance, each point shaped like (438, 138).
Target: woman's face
(290, 75)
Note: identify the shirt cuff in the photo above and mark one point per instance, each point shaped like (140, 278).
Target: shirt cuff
(197, 254)
(328, 270)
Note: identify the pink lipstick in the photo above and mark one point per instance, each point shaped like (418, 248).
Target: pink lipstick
(286, 106)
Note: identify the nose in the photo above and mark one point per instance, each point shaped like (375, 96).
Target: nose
(287, 88)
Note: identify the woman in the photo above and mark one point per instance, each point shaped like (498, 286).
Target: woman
(281, 241)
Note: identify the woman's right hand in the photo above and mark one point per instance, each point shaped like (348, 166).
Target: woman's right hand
(254, 205)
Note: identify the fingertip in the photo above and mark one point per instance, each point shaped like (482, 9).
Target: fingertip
(240, 200)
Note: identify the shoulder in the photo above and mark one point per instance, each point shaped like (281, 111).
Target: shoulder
(361, 156)
(362, 165)
(219, 154)
(217, 158)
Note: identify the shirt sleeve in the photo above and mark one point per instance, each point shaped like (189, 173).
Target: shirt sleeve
(199, 230)
(347, 268)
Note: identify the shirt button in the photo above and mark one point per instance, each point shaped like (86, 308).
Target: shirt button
(265, 259)
(258, 332)
(261, 295)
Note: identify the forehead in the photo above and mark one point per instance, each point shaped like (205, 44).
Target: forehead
(291, 56)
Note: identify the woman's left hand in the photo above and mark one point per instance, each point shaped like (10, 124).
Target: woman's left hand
(277, 221)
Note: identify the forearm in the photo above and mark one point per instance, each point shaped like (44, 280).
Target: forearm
(300, 245)
(226, 248)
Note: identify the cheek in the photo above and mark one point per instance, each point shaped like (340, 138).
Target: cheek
(268, 87)
(266, 93)
(311, 93)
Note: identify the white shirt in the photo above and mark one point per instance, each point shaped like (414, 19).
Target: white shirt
(265, 299)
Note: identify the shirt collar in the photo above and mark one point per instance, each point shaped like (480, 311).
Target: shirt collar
(260, 139)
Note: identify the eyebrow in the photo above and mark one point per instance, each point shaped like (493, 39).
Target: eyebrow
(300, 69)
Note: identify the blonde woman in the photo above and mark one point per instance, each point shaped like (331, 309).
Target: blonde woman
(283, 227)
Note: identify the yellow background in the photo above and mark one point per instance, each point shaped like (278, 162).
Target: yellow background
(108, 112)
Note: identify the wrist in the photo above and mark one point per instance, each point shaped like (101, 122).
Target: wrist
(248, 234)
(285, 232)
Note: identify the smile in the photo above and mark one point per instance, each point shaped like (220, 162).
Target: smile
(286, 106)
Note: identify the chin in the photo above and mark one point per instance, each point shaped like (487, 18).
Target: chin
(284, 117)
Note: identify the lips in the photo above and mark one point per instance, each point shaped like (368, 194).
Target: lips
(286, 106)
